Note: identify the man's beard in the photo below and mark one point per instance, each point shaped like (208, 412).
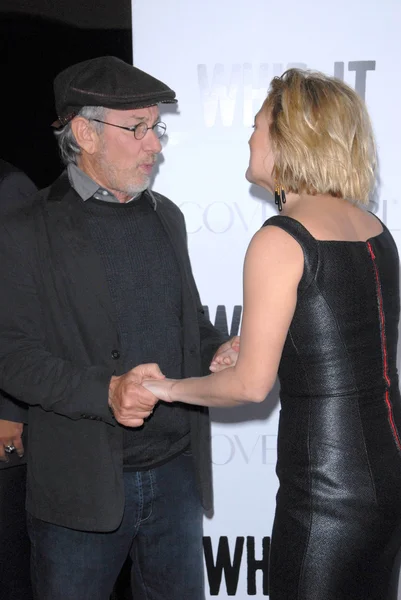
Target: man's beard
(137, 188)
(125, 181)
(120, 181)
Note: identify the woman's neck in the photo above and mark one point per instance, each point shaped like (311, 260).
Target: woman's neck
(307, 202)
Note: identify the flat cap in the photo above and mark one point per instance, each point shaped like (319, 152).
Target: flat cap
(106, 81)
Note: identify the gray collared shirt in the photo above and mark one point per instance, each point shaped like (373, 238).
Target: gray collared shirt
(87, 188)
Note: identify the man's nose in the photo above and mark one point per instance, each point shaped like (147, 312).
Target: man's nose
(152, 142)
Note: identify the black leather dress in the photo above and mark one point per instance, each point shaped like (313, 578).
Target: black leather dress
(337, 528)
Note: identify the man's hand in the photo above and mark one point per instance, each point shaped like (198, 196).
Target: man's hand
(130, 402)
(226, 355)
(10, 435)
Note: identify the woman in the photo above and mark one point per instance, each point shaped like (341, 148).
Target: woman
(321, 308)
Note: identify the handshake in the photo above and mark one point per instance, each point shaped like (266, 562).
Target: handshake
(131, 399)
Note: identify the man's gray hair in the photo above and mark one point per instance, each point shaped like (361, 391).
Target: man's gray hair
(69, 149)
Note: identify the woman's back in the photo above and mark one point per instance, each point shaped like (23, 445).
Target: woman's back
(345, 324)
(329, 218)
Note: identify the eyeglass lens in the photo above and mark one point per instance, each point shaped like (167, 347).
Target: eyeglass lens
(142, 128)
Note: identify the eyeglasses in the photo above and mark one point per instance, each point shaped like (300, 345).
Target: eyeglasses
(141, 129)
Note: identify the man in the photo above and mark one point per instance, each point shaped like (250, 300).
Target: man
(16, 190)
(98, 288)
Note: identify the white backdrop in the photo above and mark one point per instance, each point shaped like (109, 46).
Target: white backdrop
(219, 56)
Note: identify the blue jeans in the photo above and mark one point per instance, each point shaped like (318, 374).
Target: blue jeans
(161, 530)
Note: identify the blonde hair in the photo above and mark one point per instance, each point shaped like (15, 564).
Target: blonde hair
(321, 136)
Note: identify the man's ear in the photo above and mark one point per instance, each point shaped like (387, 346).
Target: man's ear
(85, 134)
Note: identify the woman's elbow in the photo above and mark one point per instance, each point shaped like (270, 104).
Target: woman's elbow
(252, 390)
(256, 395)
(256, 398)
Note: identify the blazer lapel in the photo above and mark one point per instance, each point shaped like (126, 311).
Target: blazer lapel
(178, 240)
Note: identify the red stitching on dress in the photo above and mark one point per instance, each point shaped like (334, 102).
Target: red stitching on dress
(384, 347)
(391, 419)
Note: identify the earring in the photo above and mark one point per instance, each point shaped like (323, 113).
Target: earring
(279, 197)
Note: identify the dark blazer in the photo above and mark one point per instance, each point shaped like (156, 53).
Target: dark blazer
(58, 334)
(16, 191)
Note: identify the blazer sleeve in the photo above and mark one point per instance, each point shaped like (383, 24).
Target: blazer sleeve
(16, 189)
(29, 371)
(12, 410)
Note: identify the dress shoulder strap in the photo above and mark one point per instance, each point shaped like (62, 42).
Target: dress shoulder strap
(307, 242)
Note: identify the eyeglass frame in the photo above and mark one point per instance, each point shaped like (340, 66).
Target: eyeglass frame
(133, 128)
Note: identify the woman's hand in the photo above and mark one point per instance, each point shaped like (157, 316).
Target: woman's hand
(160, 388)
(226, 355)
